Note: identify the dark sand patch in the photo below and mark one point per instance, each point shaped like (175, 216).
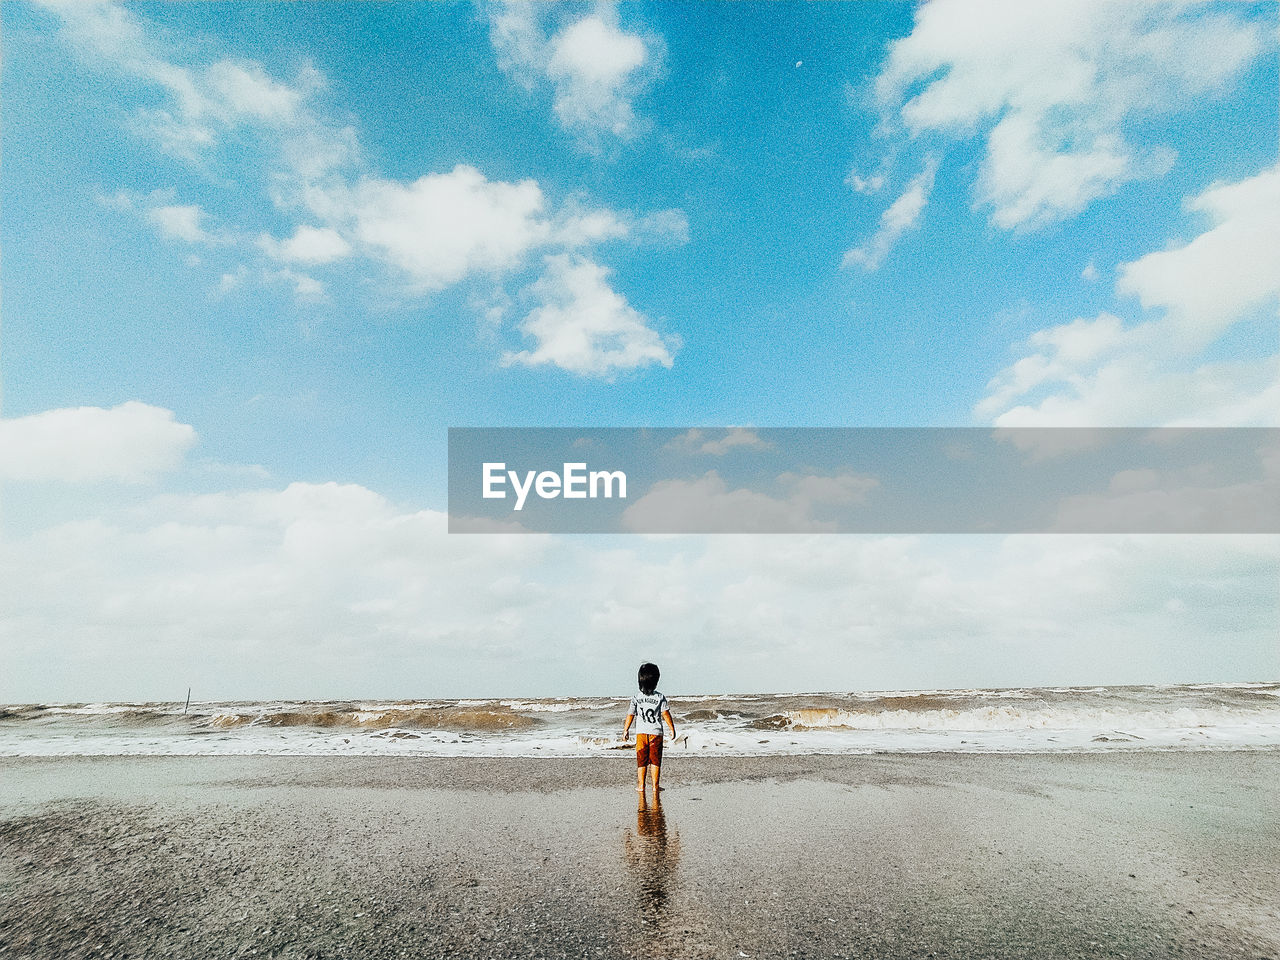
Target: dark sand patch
(1135, 855)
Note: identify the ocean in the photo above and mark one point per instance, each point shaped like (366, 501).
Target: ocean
(1204, 716)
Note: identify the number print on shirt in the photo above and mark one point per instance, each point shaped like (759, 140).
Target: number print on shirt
(648, 709)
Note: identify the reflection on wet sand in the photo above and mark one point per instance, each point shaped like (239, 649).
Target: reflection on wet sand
(652, 857)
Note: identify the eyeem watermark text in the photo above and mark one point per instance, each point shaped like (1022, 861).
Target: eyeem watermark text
(574, 482)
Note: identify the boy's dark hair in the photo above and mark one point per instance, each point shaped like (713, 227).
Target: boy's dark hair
(648, 677)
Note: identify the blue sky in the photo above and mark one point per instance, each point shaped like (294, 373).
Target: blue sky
(318, 235)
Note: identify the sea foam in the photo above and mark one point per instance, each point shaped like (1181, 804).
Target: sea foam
(1029, 719)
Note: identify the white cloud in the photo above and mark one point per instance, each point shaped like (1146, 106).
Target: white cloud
(311, 245)
(1190, 499)
(584, 326)
(180, 222)
(706, 504)
(204, 103)
(444, 226)
(696, 440)
(861, 184)
(325, 579)
(576, 225)
(1100, 371)
(592, 65)
(841, 488)
(187, 222)
(179, 138)
(595, 68)
(436, 231)
(306, 288)
(1053, 86)
(902, 216)
(339, 592)
(207, 105)
(665, 226)
(735, 439)
(245, 90)
(233, 279)
(131, 442)
(1228, 270)
(447, 227)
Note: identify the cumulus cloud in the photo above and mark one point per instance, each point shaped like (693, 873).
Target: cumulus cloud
(584, 326)
(592, 64)
(903, 215)
(595, 69)
(444, 226)
(131, 442)
(233, 279)
(205, 106)
(1052, 87)
(1102, 371)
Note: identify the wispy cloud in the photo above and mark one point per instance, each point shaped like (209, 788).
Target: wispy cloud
(188, 223)
(205, 103)
(902, 216)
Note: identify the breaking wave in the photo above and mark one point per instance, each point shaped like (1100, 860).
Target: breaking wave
(459, 718)
(1011, 718)
(1028, 719)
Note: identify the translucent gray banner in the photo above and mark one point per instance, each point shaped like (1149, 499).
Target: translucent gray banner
(864, 480)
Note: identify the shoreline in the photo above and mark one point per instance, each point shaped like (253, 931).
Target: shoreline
(624, 752)
(1007, 720)
(1153, 854)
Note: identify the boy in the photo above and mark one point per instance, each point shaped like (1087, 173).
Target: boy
(648, 709)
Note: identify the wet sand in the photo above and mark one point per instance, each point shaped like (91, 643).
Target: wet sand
(1102, 855)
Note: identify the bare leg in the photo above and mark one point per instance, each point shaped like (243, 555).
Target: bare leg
(653, 773)
(640, 779)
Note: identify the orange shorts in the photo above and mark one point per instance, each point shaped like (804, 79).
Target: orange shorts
(648, 750)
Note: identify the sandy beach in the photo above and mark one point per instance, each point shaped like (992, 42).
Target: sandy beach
(1105, 855)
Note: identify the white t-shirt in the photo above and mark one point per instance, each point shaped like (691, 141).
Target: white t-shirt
(648, 709)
